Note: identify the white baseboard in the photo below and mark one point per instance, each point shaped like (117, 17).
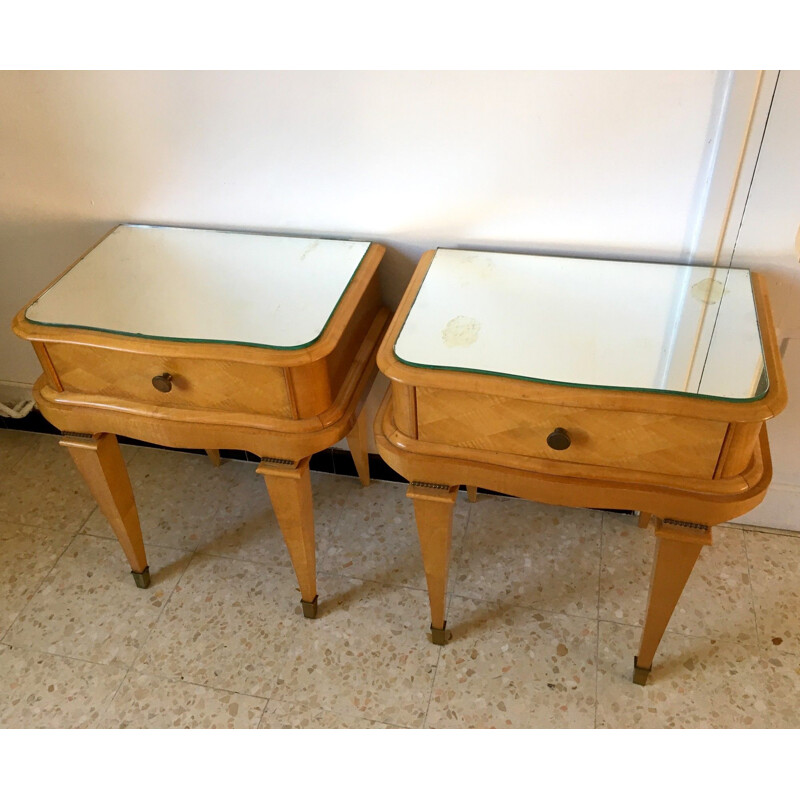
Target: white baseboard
(12, 393)
(780, 509)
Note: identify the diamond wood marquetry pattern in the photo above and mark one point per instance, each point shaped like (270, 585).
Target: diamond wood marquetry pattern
(656, 443)
(197, 383)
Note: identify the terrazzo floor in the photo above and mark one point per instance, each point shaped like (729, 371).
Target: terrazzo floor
(545, 605)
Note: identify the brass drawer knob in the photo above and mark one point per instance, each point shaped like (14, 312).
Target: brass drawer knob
(559, 439)
(163, 382)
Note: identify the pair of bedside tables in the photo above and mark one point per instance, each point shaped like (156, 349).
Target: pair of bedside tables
(568, 381)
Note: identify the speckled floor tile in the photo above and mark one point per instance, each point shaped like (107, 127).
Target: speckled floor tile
(514, 667)
(294, 715)
(367, 654)
(38, 690)
(695, 683)
(130, 451)
(148, 701)
(530, 554)
(45, 489)
(89, 607)
(780, 691)
(717, 600)
(246, 525)
(178, 496)
(376, 536)
(28, 554)
(13, 446)
(775, 572)
(223, 643)
(226, 626)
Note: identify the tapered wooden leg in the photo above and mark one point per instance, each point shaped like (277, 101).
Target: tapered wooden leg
(100, 461)
(433, 508)
(644, 519)
(214, 456)
(357, 440)
(289, 487)
(472, 494)
(677, 548)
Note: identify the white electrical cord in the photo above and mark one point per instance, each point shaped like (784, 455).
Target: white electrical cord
(19, 411)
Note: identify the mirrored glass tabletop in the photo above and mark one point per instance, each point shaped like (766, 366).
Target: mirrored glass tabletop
(585, 322)
(202, 285)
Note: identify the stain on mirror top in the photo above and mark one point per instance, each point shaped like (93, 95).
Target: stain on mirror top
(636, 326)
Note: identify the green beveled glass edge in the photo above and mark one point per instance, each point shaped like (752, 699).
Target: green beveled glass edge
(638, 389)
(155, 338)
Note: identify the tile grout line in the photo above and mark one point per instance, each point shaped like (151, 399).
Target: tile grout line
(192, 556)
(172, 679)
(162, 609)
(433, 686)
(112, 699)
(319, 710)
(88, 517)
(39, 585)
(26, 451)
(348, 576)
(263, 714)
(454, 558)
(597, 629)
(26, 648)
(130, 666)
(767, 531)
(597, 673)
(538, 608)
(101, 711)
(137, 450)
(345, 576)
(221, 509)
(759, 643)
(334, 529)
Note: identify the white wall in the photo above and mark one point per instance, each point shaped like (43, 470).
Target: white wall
(597, 163)
(766, 241)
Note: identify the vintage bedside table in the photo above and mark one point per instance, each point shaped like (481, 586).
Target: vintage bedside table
(210, 339)
(582, 383)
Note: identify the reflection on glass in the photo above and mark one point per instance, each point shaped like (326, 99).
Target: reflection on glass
(200, 285)
(626, 325)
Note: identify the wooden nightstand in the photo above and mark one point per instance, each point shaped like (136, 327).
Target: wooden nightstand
(210, 339)
(582, 383)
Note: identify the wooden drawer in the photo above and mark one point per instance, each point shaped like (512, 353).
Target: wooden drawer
(657, 443)
(197, 383)
(287, 383)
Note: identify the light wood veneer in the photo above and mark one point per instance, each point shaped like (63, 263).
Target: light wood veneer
(687, 462)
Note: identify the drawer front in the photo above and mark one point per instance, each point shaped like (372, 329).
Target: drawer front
(196, 383)
(667, 445)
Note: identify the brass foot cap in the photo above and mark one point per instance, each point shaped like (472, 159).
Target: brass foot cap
(640, 674)
(310, 608)
(142, 579)
(440, 635)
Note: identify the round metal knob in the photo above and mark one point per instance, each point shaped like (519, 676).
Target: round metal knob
(559, 439)
(163, 382)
